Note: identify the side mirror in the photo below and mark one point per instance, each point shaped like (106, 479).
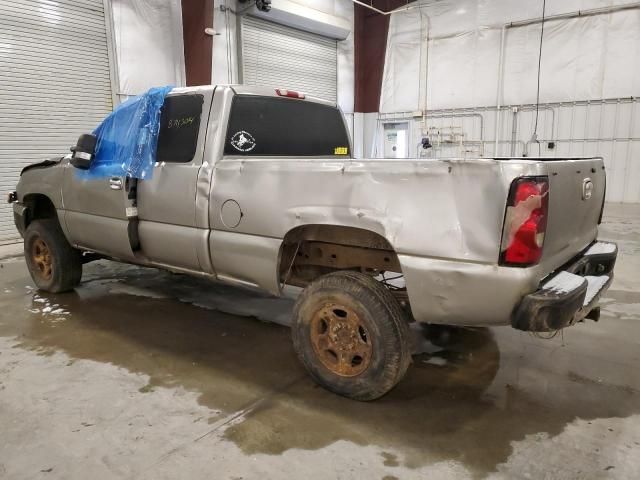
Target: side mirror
(83, 151)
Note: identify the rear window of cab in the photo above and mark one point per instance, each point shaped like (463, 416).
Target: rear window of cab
(271, 126)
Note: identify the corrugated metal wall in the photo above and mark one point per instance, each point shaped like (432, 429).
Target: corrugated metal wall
(279, 56)
(56, 84)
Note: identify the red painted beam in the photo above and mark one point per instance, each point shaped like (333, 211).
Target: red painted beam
(198, 46)
(370, 41)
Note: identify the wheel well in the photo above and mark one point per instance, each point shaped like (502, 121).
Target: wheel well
(39, 206)
(310, 251)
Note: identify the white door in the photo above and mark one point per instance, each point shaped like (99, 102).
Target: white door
(277, 56)
(55, 84)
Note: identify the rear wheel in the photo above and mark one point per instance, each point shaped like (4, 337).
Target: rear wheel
(55, 266)
(351, 335)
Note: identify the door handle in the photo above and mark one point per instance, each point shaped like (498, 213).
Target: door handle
(115, 183)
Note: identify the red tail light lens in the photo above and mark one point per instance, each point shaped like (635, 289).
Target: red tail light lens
(289, 93)
(525, 222)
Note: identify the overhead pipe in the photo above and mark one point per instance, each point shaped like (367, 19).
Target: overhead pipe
(560, 16)
(462, 115)
(370, 7)
(532, 106)
(407, 116)
(395, 10)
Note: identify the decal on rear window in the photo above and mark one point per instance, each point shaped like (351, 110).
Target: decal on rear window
(243, 141)
(341, 151)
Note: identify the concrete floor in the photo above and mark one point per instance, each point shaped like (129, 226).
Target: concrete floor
(146, 374)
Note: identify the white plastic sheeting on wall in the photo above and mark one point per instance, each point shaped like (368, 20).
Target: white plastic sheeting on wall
(346, 59)
(405, 58)
(590, 68)
(591, 57)
(149, 45)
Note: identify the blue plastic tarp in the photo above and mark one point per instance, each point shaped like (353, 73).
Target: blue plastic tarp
(127, 139)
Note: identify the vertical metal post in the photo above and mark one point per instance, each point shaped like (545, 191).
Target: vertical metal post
(586, 127)
(600, 120)
(573, 116)
(616, 171)
(112, 52)
(514, 130)
(499, 91)
(627, 178)
(556, 133)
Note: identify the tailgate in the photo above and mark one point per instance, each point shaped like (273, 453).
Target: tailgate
(576, 193)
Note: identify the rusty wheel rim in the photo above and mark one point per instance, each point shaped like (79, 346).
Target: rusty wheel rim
(341, 340)
(41, 256)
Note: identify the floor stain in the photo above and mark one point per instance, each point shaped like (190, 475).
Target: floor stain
(390, 460)
(146, 389)
(493, 383)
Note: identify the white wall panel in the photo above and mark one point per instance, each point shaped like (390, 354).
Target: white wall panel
(401, 82)
(56, 84)
(589, 58)
(346, 58)
(149, 44)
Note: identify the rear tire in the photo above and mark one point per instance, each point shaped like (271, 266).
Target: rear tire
(351, 335)
(55, 266)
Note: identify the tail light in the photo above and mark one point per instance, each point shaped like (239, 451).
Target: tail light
(289, 93)
(525, 222)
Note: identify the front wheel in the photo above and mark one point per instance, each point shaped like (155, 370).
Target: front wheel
(55, 266)
(351, 335)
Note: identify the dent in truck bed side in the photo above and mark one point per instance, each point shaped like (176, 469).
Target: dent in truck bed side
(443, 219)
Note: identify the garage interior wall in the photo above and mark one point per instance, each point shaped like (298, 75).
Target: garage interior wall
(589, 84)
(149, 44)
(226, 47)
(275, 54)
(57, 83)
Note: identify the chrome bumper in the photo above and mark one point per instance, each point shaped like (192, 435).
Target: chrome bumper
(571, 294)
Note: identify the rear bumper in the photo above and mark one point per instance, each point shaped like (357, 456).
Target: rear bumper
(571, 294)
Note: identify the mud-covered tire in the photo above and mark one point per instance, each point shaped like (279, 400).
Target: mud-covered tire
(345, 296)
(55, 266)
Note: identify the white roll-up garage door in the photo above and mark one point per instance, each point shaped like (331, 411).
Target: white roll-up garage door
(55, 84)
(274, 55)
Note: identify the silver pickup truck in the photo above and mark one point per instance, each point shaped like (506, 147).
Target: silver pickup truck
(258, 187)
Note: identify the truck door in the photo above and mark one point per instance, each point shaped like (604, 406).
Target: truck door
(170, 230)
(95, 212)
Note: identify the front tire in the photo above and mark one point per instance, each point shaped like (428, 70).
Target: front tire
(351, 335)
(55, 266)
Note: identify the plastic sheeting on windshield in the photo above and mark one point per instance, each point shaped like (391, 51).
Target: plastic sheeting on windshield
(128, 138)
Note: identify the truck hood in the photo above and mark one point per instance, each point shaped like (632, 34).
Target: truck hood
(44, 164)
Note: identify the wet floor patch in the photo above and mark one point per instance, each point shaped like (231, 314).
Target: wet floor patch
(469, 401)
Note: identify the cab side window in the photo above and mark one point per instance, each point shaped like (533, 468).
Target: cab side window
(179, 128)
